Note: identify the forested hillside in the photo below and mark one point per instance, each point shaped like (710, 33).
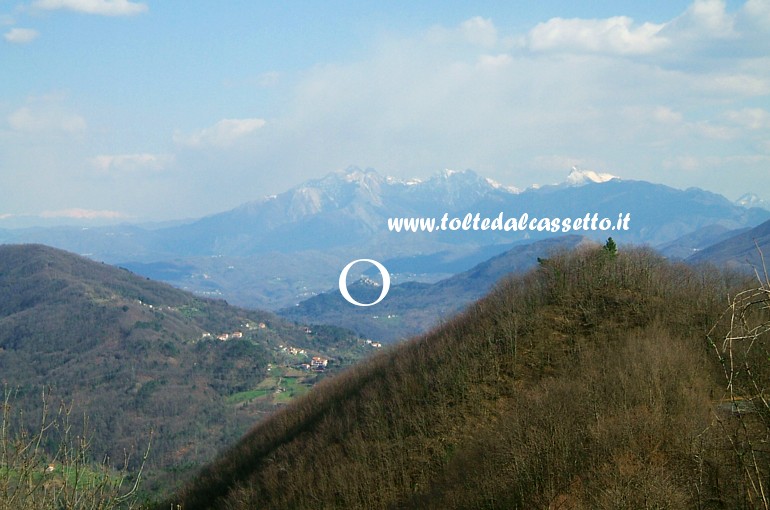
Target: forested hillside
(598, 380)
(138, 359)
(413, 308)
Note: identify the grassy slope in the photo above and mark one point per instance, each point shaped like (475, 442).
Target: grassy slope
(587, 383)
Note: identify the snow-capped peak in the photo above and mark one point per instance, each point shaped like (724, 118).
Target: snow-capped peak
(751, 200)
(497, 185)
(409, 182)
(354, 174)
(578, 177)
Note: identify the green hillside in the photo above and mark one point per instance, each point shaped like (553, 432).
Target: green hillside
(137, 358)
(587, 383)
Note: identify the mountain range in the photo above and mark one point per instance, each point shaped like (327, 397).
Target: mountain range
(142, 358)
(257, 254)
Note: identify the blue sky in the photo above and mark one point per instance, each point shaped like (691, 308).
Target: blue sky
(119, 110)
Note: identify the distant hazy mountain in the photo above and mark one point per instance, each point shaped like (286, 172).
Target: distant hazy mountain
(278, 250)
(351, 208)
(341, 209)
(578, 177)
(752, 200)
(689, 244)
(743, 250)
(412, 308)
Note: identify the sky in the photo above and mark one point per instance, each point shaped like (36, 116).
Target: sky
(136, 111)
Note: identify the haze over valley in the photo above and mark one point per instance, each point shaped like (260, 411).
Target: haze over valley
(288, 255)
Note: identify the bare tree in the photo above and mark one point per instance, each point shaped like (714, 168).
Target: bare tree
(36, 479)
(743, 414)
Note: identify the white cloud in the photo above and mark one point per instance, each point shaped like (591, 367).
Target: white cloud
(83, 214)
(21, 35)
(706, 19)
(751, 118)
(647, 101)
(714, 131)
(704, 28)
(100, 7)
(686, 163)
(666, 115)
(494, 61)
(691, 163)
(269, 79)
(479, 31)
(442, 100)
(616, 35)
(555, 163)
(42, 120)
(655, 114)
(757, 12)
(737, 84)
(132, 162)
(223, 134)
(764, 146)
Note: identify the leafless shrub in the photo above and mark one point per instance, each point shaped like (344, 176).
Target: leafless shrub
(741, 341)
(32, 478)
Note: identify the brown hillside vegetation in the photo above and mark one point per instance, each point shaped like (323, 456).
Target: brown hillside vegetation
(136, 358)
(586, 383)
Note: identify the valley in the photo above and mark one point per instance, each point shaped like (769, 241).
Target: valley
(257, 255)
(140, 359)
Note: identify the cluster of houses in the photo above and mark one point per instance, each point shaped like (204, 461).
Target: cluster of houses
(317, 364)
(389, 316)
(373, 344)
(157, 307)
(224, 337)
(296, 351)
